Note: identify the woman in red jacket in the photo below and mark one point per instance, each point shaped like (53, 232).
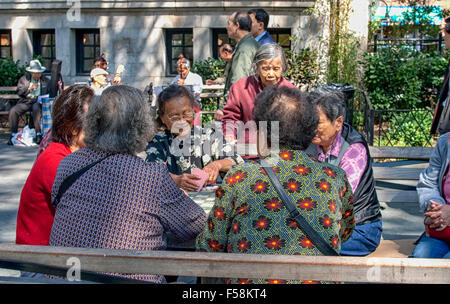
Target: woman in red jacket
(269, 66)
(36, 212)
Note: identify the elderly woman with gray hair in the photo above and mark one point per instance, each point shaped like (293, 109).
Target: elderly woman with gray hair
(269, 66)
(339, 144)
(105, 196)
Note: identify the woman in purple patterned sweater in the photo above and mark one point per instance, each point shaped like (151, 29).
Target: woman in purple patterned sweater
(122, 202)
(339, 144)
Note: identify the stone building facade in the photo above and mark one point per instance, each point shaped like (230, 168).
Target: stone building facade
(144, 36)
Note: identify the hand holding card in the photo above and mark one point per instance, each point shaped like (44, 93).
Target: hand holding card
(203, 177)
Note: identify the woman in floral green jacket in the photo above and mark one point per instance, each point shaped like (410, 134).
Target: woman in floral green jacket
(248, 215)
(184, 147)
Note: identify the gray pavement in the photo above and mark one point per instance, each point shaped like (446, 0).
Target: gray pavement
(400, 220)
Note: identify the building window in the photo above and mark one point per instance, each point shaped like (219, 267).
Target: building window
(179, 41)
(5, 44)
(87, 49)
(44, 45)
(282, 37)
(220, 37)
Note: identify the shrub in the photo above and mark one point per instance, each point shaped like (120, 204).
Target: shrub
(398, 78)
(302, 68)
(209, 68)
(10, 72)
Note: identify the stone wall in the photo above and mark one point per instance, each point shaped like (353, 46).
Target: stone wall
(132, 32)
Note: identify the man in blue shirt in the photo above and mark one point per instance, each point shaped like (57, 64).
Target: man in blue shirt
(260, 21)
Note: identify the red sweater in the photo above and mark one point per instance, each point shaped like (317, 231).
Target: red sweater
(36, 212)
(240, 104)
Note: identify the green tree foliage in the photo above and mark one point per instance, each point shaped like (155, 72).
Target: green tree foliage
(10, 72)
(210, 68)
(302, 68)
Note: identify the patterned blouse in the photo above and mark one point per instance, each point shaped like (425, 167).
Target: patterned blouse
(249, 217)
(201, 148)
(353, 162)
(122, 203)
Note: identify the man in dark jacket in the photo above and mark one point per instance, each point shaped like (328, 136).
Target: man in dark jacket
(238, 29)
(29, 87)
(441, 119)
(260, 21)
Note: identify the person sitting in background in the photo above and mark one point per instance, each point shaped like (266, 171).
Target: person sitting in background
(121, 201)
(188, 78)
(269, 66)
(433, 190)
(29, 87)
(339, 144)
(99, 83)
(36, 213)
(226, 54)
(101, 63)
(183, 147)
(249, 216)
(260, 21)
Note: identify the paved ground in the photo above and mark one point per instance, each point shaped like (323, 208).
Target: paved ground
(399, 220)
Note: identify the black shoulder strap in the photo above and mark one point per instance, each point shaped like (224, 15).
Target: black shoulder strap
(72, 178)
(309, 231)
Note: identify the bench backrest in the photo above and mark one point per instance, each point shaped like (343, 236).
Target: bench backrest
(231, 265)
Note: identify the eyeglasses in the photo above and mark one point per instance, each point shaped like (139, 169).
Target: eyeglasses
(189, 115)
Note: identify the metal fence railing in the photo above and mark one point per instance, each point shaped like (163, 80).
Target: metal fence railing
(391, 127)
(419, 44)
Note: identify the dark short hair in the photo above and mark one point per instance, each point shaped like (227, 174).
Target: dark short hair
(169, 93)
(332, 103)
(227, 47)
(101, 59)
(260, 15)
(119, 121)
(244, 21)
(297, 116)
(68, 115)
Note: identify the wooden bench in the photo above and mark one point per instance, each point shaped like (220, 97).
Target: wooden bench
(388, 178)
(233, 265)
(7, 96)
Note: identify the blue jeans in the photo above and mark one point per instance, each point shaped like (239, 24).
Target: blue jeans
(364, 239)
(432, 248)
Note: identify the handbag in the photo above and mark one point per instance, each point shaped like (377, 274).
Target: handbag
(323, 246)
(72, 178)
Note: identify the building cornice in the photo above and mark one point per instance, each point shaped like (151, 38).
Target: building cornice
(31, 5)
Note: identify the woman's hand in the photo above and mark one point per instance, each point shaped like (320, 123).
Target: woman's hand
(186, 181)
(218, 115)
(213, 171)
(437, 215)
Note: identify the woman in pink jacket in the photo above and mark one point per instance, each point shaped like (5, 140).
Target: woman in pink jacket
(269, 66)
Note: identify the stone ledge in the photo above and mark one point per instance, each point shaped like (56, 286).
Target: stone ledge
(153, 5)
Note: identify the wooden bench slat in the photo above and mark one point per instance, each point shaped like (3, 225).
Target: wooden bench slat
(201, 264)
(9, 96)
(397, 196)
(414, 153)
(12, 89)
(393, 173)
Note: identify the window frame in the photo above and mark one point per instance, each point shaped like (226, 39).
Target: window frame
(215, 42)
(79, 46)
(277, 31)
(7, 31)
(37, 46)
(169, 32)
